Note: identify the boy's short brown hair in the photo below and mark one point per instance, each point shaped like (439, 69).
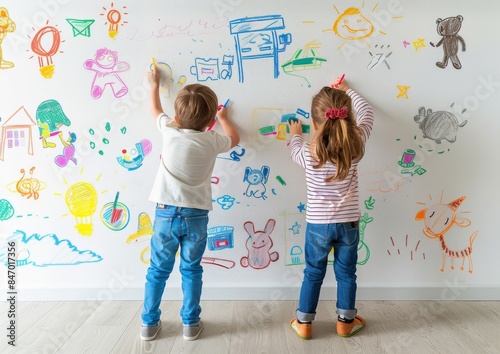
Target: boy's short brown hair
(195, 106)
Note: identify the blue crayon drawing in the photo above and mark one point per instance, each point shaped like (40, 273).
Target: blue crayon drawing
(226, 202)
(47, 250)
(234, 155)
(257, 180)
(220, 237)
(134, 159)
(257, 38)
(209, 69)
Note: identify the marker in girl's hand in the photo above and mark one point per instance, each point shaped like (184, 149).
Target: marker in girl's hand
(154, 62)
(338, 83)
(341, 79)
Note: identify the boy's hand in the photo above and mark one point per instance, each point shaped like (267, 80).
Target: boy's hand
(295, 127)
(222, 113)
(153, 76)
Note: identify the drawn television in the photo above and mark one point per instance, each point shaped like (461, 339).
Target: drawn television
(220, 237)
(257, 38)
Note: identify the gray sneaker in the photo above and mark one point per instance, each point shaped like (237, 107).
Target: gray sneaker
(192, 332)
(150, 332)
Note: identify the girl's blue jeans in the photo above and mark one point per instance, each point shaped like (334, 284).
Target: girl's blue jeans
(320, 238)
(176, 227)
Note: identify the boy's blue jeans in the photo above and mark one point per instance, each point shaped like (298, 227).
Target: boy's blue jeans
(174, 227)
(320, 238)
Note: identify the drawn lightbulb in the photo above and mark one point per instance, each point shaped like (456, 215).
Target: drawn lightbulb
(81, 199)
(114, 17)
(47, 37)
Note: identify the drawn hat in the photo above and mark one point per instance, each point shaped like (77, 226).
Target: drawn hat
(456, 203)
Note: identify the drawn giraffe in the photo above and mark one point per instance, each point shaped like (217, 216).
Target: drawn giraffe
(438, 220)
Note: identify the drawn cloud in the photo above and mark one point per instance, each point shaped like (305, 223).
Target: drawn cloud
(47, 250)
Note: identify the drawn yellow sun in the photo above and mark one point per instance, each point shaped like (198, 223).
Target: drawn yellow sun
(354, 24)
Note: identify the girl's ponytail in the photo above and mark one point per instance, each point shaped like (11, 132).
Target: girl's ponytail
(339, 138)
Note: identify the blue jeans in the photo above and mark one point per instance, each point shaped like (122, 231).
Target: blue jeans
(174, 227)
(320, 238)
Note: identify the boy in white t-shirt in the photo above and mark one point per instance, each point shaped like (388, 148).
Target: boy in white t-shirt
(183, 194)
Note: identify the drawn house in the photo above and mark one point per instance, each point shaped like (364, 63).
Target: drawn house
(17, 132)
(257, 38)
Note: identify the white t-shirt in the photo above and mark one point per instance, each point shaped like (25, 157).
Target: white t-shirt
(186, 165)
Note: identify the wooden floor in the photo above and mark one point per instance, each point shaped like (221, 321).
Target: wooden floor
(256, 327)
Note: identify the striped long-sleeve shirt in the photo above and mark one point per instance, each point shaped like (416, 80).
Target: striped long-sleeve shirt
(334, 201)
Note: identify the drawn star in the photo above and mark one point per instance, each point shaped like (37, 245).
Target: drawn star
(403, 91)
(295, 228)
(419, 43)
(405, 43)
(301, 207)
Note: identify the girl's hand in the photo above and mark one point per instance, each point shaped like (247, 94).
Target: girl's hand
(342, 86)
(295, 127)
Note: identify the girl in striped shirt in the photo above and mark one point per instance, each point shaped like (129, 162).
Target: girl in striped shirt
(342, 121)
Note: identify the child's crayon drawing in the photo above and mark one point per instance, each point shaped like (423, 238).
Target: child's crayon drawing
(438, 220)
(258, 245)
(81, 199)
(47, 250)
(80, 27)
(27, 186)
(107, 69)
(143, 235)
(257, 38)
(6, 26)
(439, 125)
(45, 44)
(448, 29)
(17, 132)
(50, 117)
(114, 19)
(256, 180)
(6, 210)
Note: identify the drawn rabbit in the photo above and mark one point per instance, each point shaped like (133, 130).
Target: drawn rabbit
(259, 244)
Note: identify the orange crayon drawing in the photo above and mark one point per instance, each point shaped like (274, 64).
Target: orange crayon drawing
(438, 220)
(6, 26)
(46, 44)
(17, 132)
(355, 24)
(27, 186)
(114, 19)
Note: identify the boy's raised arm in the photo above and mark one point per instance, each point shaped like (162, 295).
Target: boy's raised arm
(228, 127)
(153, 76)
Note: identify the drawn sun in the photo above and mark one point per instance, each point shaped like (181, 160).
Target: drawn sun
(354, 24)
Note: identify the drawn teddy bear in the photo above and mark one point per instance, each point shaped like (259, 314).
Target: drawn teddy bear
(259, 244)
(448, 28)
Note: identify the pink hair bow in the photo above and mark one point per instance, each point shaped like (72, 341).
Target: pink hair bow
(334, 113)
